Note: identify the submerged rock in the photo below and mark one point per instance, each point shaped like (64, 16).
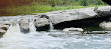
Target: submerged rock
(24, 25)
(97, 32)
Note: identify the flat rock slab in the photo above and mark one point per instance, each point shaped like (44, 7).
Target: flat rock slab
(76, 14)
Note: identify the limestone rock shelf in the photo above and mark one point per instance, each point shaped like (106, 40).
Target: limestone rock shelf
(42, 20)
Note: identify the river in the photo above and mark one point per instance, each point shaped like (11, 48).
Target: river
(56, 39)
(14, 39)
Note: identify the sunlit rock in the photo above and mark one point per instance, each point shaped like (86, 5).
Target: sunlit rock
(24, 25)
(57, 17)
(105, 25)
(104, 11)
(4, 27)
(41, 24)
(73, 29)
(69, 15)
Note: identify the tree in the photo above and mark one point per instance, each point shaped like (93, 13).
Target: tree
(99, 2)
(83, 2)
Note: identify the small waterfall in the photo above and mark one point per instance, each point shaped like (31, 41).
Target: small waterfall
(13, 29)
(17, 25)
(32, 26)
(51, 26)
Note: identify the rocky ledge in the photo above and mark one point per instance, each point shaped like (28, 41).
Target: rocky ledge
(57, 17)
(43, 21)
(4, 26)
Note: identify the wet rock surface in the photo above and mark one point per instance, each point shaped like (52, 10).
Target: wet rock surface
(41, 24)
(3, 28)
(57, 17)
(105, 25)
(78, 14)
(24, 25)
(103, 11)
(2, 32)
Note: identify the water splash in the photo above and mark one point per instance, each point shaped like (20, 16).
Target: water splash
(51, 26)
(14, 29)
(32, 26)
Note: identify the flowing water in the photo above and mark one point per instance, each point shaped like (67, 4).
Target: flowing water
(32, 27)
(51, 26)
(14, 39)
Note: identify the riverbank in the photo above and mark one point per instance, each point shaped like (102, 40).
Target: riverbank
(22, 10)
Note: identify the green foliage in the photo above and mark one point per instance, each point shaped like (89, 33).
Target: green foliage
(40, 9)
(51, 2)
(99, 2)
(41, 6)
(83, 2)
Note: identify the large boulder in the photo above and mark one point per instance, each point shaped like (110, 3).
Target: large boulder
(69, 15)
(104, 11)
(24, 25)
(41, 24)
(57, 17)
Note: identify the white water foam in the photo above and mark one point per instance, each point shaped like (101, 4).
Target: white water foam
(32, 26)
(14, 39)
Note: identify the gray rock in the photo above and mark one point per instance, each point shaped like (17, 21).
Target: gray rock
(104, 11)
(106, 25)
(73, 29)
(41, 22)
(24, 25)
(4, 27)
(69, 15)
(2, 32)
